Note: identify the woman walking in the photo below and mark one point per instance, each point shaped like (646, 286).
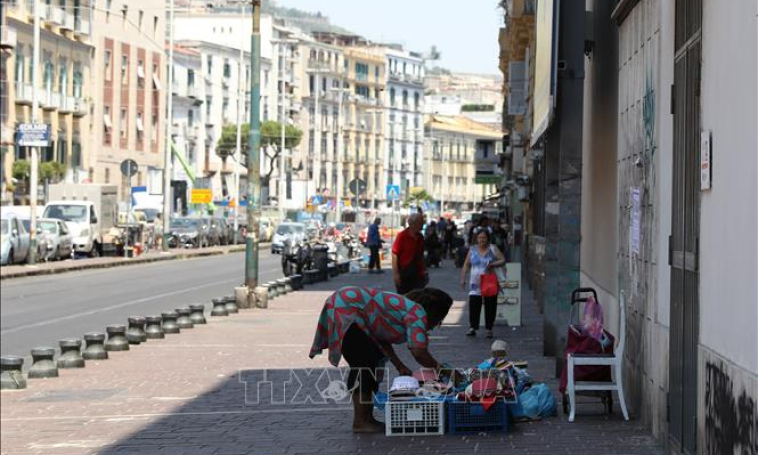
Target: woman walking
(483, 257)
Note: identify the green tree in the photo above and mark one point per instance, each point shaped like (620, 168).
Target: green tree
(21, 170)
(52, 170)
(271, 143)
(417, 197)
(227, 143)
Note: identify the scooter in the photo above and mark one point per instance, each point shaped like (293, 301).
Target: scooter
(296, 257)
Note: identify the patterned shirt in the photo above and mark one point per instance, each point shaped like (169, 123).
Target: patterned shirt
(479, 264)
(385, 317)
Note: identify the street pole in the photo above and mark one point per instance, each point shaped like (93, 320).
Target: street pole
(340, 146)
(238, 147)
(253, 154)
(316, 133)
(169, 124)
(33, 178)
(282, 158)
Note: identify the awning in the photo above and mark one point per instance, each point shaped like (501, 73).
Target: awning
(140, 127)
(107, 121)
(140, 72)
(156, 82)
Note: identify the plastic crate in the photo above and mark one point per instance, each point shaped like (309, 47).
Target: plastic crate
(414, 418)
(463, 417)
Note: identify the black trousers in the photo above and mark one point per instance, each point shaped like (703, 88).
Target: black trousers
(373, 261)
(475, 311)
(364, 358)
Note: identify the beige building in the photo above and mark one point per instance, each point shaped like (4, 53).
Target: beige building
(64, 90)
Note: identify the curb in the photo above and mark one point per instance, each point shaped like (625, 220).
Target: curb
(121, 263)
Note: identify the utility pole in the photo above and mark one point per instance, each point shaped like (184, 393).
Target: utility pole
(169, 125)
(253, 154)
(340, 147)
(316, 130)
(238, 147)
(282, 153)
(33, 178)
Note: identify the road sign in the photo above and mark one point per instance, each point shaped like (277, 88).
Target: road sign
(34, 135)
(393, 192)
(201, 196)
(129, 168)
(358, 186)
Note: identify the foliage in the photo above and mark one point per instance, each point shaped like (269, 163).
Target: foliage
(52, 170)
(22, 169)
(227, 143)
(418, 196)
(477, 108)
(271, 135)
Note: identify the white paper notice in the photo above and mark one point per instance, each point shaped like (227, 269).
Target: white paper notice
(634, 221)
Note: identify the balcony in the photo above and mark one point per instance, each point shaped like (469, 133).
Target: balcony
(81, 107)
(23, 93)
(41, 10)
(193, 92)
(315, 66)
(82, 26)
(50, 100)
(55, 15)
(192, 132)
(67, 104)
(7, 37)
(68, 22)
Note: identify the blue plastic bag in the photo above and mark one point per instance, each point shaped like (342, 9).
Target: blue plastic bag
(535, 403)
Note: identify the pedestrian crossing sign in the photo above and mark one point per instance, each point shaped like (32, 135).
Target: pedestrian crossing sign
(393, 192)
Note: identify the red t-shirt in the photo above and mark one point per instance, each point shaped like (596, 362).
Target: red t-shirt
(408, 247)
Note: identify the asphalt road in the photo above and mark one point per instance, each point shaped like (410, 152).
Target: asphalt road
(39, 311)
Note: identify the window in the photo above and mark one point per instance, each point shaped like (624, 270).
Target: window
(518, 88)
(107, 63)
(154, 132)
(209, 65)
(227, 68)
(361, 71)
(190, 117)
(107, 119)
(141, 17)
(124, 10)
(140, 126)
(376, 72)
(108, 4)
(416, 102)
(124, 69)
(20, 68)
(190, 78)
(63, 76)
(225, 109)
(123, 123)
(208, 102)
(78, 80)
(140, 74)
(405, 98)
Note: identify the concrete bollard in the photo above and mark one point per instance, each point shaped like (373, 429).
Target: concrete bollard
(297, 282)
(311, 276)
(272, 290)
(197, 314)
(219, 308)
(116, 338)
(184, 321)
(43, 365)
(11, 376)
(243, 298)
(333, 271)
(95, 349)
(230, 303)
(281, 284)
(136, 333)
(261, 297)
(71, 356)
(154, 328)
(288, 284)
(169, 322)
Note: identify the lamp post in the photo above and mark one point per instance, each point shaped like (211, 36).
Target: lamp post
(282, 43)
(253, 154)
(340, 146)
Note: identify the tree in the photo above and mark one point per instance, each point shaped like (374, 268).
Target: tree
(227, 143)
(417, 197)
(21, 170)
(52, 170)
(271, 143)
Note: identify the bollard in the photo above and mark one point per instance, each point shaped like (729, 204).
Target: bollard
(273, 292)
(288, 284)
(297, 282)
(219, 308)
(184, 321)
(11, 376)
(42, 364)
(116, 338)
(311, 276)
(282, 284)
(154, 328)
(230, 303)
(71, 356)
(136, 333)
(261, 296)
(333, 271)
(169, 322)
(197, 315)
(95, 349)
(242, 298)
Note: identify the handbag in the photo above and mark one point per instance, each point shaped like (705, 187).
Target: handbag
(489, 285)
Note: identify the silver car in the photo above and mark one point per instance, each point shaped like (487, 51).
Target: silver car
(14, 244)
(60, 242)
(287, 231)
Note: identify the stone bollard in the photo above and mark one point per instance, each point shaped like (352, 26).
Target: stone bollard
(242, 298)
(136, 333)
(282, 285)
(154, 328)
(116, 338)
(71, 356)
(197, 314)
(169, 322)
(333, 271)
(184, 321)
(219, 308)
(261, 297)
(311, 276)
(273, 291)
(288, 284)
(230, 303)
(297, 282)
(11, 376)
(43, 365)
(95, 349)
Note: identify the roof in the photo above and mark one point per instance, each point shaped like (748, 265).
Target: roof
(462, 124)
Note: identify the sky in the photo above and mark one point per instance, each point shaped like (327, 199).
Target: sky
(465, 32)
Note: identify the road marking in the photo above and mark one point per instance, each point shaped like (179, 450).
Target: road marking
(114, 307)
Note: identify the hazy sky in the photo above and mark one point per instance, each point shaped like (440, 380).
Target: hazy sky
(465, 32)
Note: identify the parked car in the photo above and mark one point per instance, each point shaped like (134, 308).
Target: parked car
(187, 232)
(60, 242)
(43, 245)
(15, 240)
(212, 232)
(266, 232)
(291, 231)
(225, 234)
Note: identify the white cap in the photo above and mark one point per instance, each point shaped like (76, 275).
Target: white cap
(499, 345)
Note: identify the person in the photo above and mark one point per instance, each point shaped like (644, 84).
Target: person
(361, 324)
(483, 257)
(158, 231)
(374, 243)
(441, 226)
(451, 230)
(432, 245)
(408, 268)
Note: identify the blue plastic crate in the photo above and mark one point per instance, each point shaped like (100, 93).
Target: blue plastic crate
(463, 417)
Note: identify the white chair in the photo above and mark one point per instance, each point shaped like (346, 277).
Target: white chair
(614, 361)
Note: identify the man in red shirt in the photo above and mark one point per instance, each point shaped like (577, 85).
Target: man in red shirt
(408, 266)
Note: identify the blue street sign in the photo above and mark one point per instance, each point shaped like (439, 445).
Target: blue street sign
(393, 192)
(33, 135)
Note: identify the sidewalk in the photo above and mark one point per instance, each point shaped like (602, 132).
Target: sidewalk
(200, 392)
(55, 267)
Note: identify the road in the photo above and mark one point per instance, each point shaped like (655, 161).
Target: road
(39, 311)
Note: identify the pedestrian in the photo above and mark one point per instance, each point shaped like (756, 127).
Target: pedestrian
(374, 242)
(483, 257)
(432, 245)
(441, 226)
(451, 230)
(408, 268)
(158, 231)
(361, 324)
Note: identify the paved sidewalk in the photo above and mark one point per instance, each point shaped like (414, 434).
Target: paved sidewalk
(187, 394)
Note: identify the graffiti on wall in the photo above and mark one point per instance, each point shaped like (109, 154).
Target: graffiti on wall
(731, 421)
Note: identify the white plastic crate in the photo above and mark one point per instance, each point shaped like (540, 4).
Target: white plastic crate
(413, 418)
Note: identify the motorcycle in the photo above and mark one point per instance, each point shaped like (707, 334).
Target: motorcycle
(296, 257)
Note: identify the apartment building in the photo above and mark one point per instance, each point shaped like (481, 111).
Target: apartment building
(64, 90)
(128, 85)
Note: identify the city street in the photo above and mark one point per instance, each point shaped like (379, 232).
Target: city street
(39, 311)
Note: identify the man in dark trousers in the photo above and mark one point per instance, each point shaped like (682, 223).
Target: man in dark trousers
(374, 243)
(408, 267)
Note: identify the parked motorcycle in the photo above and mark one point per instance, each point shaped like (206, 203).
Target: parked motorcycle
(296, 257)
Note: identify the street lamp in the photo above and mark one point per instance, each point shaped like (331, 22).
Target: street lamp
(283, 43)
(341, 91)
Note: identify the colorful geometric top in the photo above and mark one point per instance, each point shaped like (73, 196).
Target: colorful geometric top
(385, 317)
